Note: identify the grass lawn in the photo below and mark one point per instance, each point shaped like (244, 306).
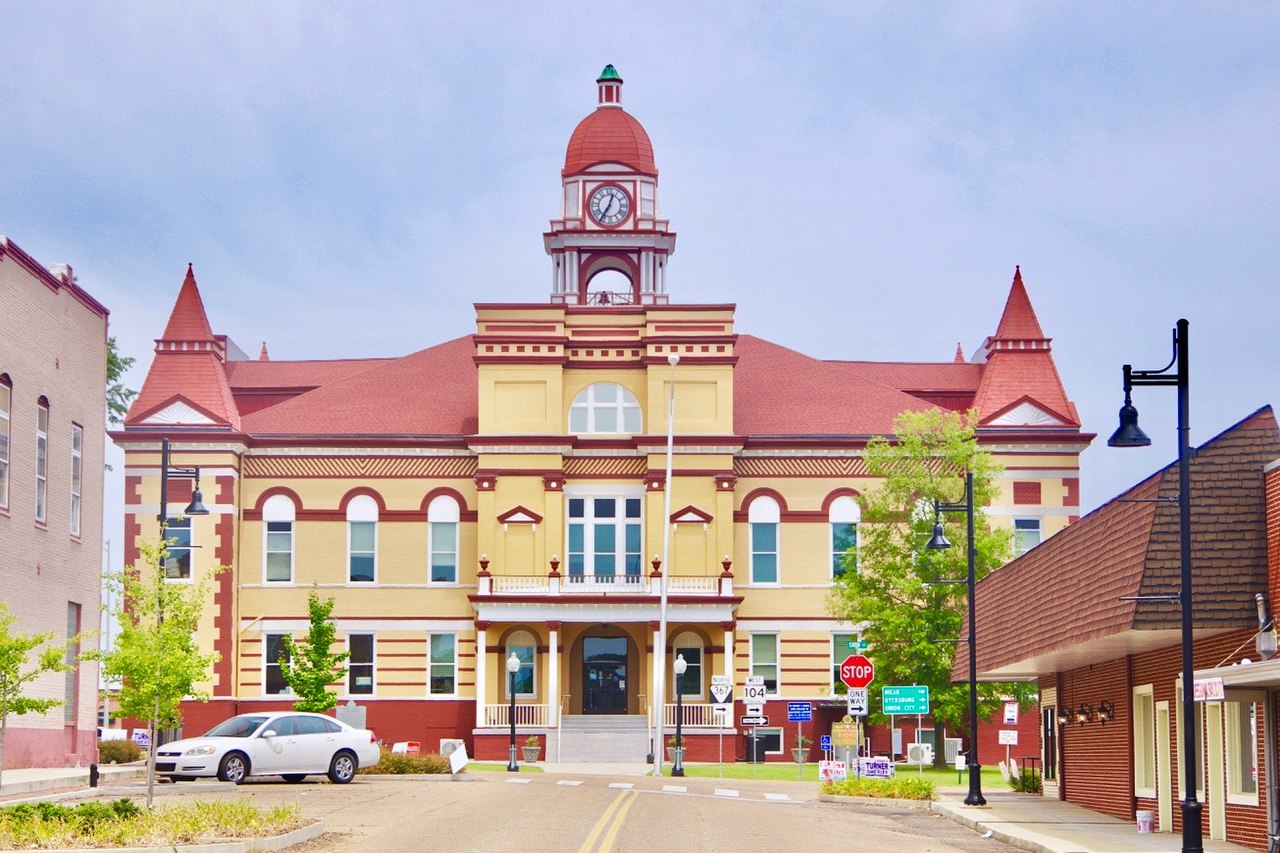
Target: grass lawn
(787, 772)
(525, 767)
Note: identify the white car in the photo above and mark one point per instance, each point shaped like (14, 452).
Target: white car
(292, 744)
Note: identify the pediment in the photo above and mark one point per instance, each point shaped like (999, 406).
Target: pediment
(1026, 413)
(179, 413)
(520, 515)
(690, 514)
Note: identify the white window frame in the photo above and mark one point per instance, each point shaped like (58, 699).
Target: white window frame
(77, 477)
(431, 664)
(843, 511)
(770, 731)
(838, 655)
(6, 421)
(443, 510)
(267, 663)
(1018, 551)
(1144, 740)
(1233, 710)
(515, 640)
(585, 406)
(279, 509)
(765, 510)
(362, 509)
(187, 523)
(684, 641)
(42, 463)
(589, 494)
(372, 664)
(777, 660)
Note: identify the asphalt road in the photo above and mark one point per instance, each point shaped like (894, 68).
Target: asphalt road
(546, 812)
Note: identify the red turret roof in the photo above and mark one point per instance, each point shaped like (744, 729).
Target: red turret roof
(188, 321)
(609, 135)
(1018, 322)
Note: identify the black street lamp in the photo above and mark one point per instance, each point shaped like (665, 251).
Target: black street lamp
(939, 541)
(1177, 373)
(677, 767)
(513, 666)
(196, 507)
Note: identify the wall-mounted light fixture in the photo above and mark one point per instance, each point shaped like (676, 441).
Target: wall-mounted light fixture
(1084, 713)
(1106, 712)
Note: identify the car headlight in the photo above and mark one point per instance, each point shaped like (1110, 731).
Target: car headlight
(201, 750)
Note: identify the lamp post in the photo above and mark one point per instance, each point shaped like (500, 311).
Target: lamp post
(513, 666)
(677, 768)
(939, 541)
(1177, 373)
(660, 652)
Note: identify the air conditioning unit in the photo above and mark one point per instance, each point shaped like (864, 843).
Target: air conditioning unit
(449, 744)
(920, 753)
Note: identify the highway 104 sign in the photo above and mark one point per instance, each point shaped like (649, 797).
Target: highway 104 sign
(857, 671)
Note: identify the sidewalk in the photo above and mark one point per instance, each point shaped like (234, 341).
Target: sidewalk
(30, 780)
(1034, 823)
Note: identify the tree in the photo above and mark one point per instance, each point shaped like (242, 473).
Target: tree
(309, 669)
(18, 671)
(155, 656)
(904, 598)
(118, 396)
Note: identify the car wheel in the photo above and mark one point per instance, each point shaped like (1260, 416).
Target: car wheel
(234, 768)
(343, 768)
(294, 777)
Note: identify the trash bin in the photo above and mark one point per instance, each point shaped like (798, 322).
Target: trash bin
(755, 750)
(1146, 821)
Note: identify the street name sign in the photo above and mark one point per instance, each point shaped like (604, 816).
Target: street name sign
(912, 699)
(857, 671)
(799, 712)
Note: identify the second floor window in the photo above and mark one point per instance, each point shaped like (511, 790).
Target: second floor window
(763, 516)
(604, 539)
(362, 539)
(605, 407)
(42, 462)
(843, 516)
(442, 533)
(1026, 535)
(6, 404)
(77, 470)
(278, 515)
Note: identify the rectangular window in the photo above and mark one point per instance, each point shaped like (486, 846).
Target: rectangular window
(273, 650)
(769, 740)
(42, 463)
(764, 552)
(1026, 535)
(70, 693)
(443, 678)
(278, 555)
(1144, 741)
(764, 660)
(1242, 752)
(77, 463)
(444, 552)
(842, 645)
(6, 403)
(604, 540)
(360, 664)
(843, 537)
(524, 675)
(177, 560)
(361, 546)
(690, 684)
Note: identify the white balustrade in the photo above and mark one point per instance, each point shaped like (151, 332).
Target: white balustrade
(694, 713)
(519, 583)
(677, 585)
(601, 584)
(526, 715)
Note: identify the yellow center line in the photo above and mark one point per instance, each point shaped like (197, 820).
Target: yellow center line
(612, 836)
(589, 844)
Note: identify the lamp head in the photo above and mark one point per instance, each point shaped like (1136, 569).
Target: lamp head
(673, 359)
(1128, 434)
(939, 540)
(513, 664)
(680, 665)
(196, 507)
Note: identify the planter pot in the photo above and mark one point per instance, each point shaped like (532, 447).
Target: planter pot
(531, 753)
(671, 753)
(800, 753)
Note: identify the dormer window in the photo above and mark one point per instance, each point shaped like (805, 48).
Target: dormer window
(605, 408)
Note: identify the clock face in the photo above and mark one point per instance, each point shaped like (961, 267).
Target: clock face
(609, 205)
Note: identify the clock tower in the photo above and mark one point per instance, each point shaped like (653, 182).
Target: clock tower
(609, 246)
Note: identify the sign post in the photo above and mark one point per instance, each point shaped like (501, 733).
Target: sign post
(799, 713)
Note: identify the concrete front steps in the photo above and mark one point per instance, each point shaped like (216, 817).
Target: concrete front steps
(599, 738)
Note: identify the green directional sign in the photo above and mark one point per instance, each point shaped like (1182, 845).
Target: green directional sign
(913, 699)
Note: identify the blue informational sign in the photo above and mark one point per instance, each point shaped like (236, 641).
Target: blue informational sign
(824, 743)
(799, 712)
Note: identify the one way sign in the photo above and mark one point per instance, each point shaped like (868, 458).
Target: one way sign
(722, 689)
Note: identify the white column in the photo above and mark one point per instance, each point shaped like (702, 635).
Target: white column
(482, 652)
(728, 650)
(553, 675)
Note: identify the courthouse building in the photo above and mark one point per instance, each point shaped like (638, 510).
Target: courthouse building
(504, 492)
(53, 379)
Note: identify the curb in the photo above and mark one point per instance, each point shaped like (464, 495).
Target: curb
(421, 777)
(894, 802)
(273, 843)
(976, 824)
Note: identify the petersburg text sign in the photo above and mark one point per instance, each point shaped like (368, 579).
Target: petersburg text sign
(912, 699)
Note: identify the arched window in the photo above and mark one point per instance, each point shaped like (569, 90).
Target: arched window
(763, 517)
(605, 407)
(843, 515)
(278, 516)
(442, 539)
(362, 539)
(525, 647)
(690, 646)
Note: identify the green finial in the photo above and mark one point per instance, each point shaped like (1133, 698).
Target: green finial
(609, 73)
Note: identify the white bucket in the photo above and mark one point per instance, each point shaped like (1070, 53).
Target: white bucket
(1146, 821)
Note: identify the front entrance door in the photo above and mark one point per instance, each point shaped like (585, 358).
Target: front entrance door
(604, 675)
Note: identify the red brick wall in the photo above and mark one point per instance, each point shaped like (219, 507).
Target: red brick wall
(1273, 537)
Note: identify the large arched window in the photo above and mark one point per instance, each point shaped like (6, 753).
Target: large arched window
(525, 647)
(605, 407)
(763, 517)
(690, 646)
(278, 516)
(843, 514)
(442, 539)
(362, 539)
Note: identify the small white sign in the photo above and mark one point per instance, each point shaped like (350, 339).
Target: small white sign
(458, 759)
(1010, 713)
(754, 710)
(720, 711)
(1008, 737)
(832, 771)
(721, 691)
(1209, 690)
(857, 701)
(754, 692)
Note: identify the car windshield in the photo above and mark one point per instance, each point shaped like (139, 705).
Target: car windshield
(242, 726)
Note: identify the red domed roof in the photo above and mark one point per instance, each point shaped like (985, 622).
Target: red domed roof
(612, 135)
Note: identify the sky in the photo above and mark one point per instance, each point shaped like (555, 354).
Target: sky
(859, 178)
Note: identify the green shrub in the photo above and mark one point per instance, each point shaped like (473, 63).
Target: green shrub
(124, 824)
(1027, 781)
(397, 763)
(118, 751)
(900, 788)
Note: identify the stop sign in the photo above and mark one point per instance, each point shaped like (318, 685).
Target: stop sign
(857, 671)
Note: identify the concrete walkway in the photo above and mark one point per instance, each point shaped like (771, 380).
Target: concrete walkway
(34, 780)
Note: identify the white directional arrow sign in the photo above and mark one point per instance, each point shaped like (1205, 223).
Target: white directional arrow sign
(857, 701)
